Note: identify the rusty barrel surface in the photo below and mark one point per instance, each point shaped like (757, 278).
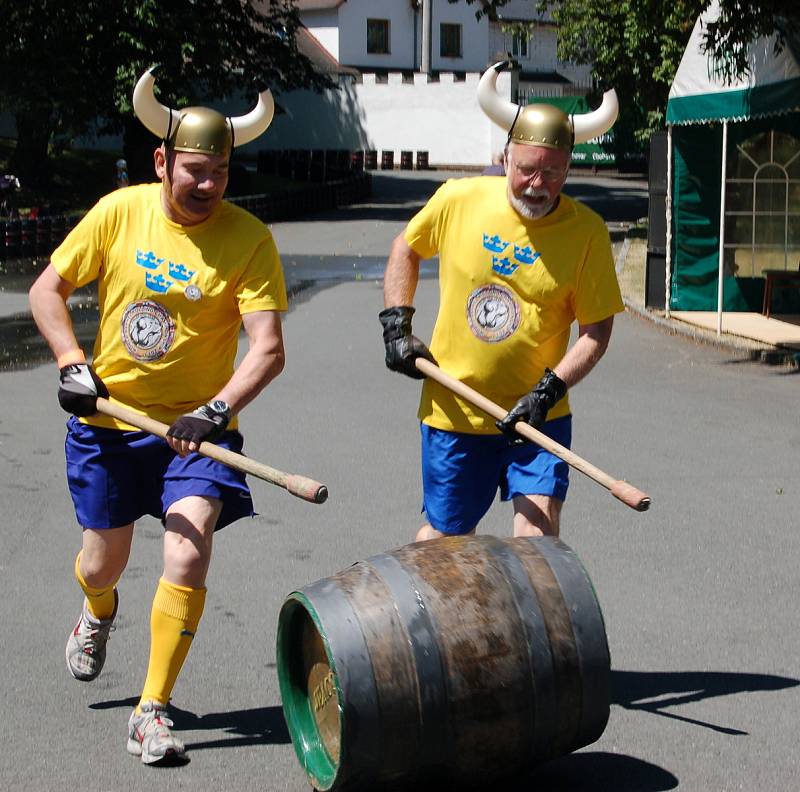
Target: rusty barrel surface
(465, 658)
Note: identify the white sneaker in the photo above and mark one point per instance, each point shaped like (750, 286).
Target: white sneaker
(86, 645)
(149, 736)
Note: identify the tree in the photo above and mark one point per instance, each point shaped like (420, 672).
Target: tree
(68, 67)
(636, 45)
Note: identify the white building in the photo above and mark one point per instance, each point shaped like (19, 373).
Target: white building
(408, 73)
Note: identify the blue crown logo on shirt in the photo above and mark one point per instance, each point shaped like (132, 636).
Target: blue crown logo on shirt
(179, 271)
(157, 283)
(148, 260)
(494, 243)
(503, 265)
(524, 255)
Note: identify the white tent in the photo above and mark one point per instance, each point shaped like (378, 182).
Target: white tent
(712, 129)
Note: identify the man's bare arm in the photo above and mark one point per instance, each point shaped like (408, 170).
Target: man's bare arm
(587, 350)
(48, 300)
(402, 274)
(263, 361)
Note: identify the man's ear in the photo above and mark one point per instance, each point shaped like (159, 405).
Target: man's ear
(160, 161)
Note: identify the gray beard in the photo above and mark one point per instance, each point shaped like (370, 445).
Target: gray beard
(530, 212)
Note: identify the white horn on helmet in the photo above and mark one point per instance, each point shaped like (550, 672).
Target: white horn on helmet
(248, 127)
(499, 110)
(157, 118)
(597, 122)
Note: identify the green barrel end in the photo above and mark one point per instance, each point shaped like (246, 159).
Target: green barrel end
(309, 691)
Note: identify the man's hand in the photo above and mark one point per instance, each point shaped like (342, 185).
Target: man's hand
(79, 387)
(401, 346)
(204, 424)
(532, 407)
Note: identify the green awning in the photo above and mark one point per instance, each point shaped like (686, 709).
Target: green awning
(736, 105)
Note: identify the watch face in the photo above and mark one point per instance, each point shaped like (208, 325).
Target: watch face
(221, 407)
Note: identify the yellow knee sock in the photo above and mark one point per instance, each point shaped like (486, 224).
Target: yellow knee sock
(101, 601)
(173, 622)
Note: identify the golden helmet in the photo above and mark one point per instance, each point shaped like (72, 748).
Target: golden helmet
(543, 124)
(199, 129)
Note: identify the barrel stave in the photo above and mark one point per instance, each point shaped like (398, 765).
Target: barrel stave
(396, 683)
(486, 668)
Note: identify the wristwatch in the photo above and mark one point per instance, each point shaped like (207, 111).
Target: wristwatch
(221, 407)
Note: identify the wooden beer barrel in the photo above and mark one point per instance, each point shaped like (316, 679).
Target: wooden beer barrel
(462, 659)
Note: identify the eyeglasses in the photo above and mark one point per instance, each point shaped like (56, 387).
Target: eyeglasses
(548, 175)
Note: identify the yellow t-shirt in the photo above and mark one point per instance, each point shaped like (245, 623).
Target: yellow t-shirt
(509, 291)
(170, 297)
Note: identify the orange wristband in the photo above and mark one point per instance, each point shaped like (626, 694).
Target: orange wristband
(68, 358)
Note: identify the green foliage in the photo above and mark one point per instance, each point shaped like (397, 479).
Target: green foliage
(65, 64)
(739, 23)
(636, 45)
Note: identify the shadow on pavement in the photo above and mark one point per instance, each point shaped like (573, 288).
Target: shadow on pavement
(22, 347)
(619, 203)
(591, 771)
(398, 199)
(596, 772)
(257, 726)
(393, 199)
(654, 691)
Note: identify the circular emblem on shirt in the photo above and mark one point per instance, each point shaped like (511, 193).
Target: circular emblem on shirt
(147, 330)
(492, 313)
(192, 292)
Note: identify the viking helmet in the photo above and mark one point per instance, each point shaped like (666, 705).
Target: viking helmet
(199, 129)
(544, 124)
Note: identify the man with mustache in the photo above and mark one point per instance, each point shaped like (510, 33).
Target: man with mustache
(537, 260)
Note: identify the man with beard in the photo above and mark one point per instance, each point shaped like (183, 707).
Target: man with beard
(518, 263)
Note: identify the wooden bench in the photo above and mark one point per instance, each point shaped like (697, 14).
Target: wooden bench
(778, 279)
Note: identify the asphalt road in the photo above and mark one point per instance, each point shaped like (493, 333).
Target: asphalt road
(699, 594)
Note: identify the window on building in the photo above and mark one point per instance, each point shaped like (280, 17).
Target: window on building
(519, 45)
(378, 36)
(762, 207)
(449, 40)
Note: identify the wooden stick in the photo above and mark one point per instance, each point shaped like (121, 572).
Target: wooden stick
(305, 488)
(625, 492)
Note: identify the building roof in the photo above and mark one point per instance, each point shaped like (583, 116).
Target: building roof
(323, 61)
(538, 76)
(317, 5)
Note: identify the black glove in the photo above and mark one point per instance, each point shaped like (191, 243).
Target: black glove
(205, 423)
(78, 389)
(402, 347)
(532, 407)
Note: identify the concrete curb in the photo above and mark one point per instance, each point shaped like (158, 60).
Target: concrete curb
(755, 350)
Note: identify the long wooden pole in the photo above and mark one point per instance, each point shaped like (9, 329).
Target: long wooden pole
(300, 486)
(625, 492)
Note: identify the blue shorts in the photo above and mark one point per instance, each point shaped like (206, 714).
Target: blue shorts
(116, 477)
(461, 473)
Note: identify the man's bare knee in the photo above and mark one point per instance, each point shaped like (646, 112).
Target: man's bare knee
(428, 532)
(536, 515)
